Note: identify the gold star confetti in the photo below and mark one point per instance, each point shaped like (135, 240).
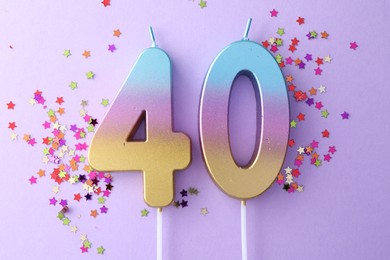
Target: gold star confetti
(73, 229)
(56, 189)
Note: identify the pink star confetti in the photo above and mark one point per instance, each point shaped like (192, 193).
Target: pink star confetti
(353, 45)
(64, 148)
(33, 180)
(274, 13)
(53, 201)
(317, 71)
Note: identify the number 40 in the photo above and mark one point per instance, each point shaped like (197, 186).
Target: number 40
(146, 96)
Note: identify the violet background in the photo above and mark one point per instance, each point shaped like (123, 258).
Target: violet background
(343, 212)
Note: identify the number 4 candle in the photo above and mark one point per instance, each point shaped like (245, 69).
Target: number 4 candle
(144, 96)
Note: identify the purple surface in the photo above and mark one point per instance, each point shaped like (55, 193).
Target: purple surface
(343, 212)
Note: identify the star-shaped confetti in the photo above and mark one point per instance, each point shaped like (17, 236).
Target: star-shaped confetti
(12, 125)
(66, 221)
(106, 3)
(202, 4)
(33, 180)
(300, 20)
(66, 53)
(73, 229)
(144, 213)
(55, 189)
(324, 35)
(345, 115)
(84, 249)
(100, 250)
(87, 54)
(193, 191)
(117, 33)
(111, 47)
(325, 113)
(280, 31)
(318, 71)
(322, 89)
(10, 105)
(183, 193)
(60, 100)
(293, 124)
(353, 45)
(94, 213)
(73, 85)
(84, 103)
(327, 59)
(104, 102)
(184, 203)
(90, 75)
(274, 13)
(13, 136)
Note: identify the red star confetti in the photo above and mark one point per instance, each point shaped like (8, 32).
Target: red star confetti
(60, 100)
(325, 133)
(300, 20)
(10, 105)
(106, 3)
(12, 125)
(301, 117)
(77, 197)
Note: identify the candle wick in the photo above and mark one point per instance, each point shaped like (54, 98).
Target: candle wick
(152, 36)
(248, 26)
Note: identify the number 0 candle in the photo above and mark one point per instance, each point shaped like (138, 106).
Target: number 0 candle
(144, 96)
(247, 58)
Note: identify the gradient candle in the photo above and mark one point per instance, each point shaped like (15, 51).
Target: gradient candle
(247, 58)
(144, 96)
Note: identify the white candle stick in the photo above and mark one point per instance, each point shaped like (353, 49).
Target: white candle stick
(159, 233)
(243, 231)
